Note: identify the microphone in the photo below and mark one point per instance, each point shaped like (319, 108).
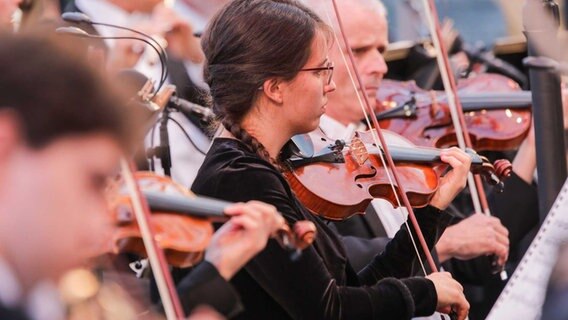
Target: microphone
(76, 17)
(206, 114)
(137, 81)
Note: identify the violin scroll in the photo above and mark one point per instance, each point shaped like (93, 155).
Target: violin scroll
(296, 239)
(495, 173)
(503, 168)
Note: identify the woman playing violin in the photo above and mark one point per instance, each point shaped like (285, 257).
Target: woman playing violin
(270, 76)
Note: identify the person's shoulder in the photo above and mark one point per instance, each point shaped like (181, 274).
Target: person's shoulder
(234, 154)
(231, 162)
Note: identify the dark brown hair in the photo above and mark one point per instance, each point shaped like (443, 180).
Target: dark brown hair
(248, 42)
(54, 93)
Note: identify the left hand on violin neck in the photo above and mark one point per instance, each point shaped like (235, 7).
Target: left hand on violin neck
(453, 182)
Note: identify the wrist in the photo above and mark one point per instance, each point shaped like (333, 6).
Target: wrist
(225, 272)
(444, 249)
(438, 204)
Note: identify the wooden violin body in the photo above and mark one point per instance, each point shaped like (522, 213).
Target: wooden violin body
(497, 113)
(340, 180)
(183, 238)
(182, 222)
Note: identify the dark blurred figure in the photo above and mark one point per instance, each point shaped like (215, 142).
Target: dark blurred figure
(58, 145)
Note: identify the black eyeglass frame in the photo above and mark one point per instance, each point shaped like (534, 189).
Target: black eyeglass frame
(329, 67)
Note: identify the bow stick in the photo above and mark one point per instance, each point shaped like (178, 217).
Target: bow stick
(475, 185)
(164, 282)
(378, 136)
(476, 188)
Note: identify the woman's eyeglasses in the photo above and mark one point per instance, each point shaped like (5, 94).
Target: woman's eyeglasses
(327, 69)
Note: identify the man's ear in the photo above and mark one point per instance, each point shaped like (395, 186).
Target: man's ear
(273, 90)
(10, 135)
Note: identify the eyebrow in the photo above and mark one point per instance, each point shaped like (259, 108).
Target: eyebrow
(323, 62)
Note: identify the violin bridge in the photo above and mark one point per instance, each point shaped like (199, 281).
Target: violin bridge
(359, 151)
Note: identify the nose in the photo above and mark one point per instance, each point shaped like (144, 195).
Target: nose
(329, 87)
(378, 64)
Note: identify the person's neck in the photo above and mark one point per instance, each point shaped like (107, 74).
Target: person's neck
(272, 134)
(339, 116)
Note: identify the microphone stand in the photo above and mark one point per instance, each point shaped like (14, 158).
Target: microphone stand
(162, 151)
(547, 100)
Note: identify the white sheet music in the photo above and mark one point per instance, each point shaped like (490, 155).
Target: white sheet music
(524, 295)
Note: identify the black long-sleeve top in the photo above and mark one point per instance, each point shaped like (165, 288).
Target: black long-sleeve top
(321, 284)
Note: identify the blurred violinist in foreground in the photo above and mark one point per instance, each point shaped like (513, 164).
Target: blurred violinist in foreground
(58, 146)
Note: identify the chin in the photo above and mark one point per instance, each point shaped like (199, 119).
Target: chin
(315, 124)
(307, 128)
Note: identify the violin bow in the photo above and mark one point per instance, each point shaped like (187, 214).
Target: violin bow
(475, 185)
(378, 136)
(164, 281)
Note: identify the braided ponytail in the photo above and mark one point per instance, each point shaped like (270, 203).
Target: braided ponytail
(256, 146)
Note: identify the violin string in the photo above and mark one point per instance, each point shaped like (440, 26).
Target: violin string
(376, 140)
(451, 100)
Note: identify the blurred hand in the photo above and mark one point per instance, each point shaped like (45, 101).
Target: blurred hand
(205, 313)
(455, 180)
(475, 236)
(450, 294)
(178, 33)
(242, 237)
(449, 33)
(524, 163)
(125, 53)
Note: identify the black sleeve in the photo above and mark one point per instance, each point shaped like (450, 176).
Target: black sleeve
(305, 288)
(360, 251)
(517, 207)
(394, 260)
(205, 286)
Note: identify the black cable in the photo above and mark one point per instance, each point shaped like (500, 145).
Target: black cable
(187, 136)
(81, 18)
(152, 140)
(161, 53)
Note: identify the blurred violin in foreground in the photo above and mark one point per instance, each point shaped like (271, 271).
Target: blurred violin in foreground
(182, 222)
(497, 112)
(340, 179)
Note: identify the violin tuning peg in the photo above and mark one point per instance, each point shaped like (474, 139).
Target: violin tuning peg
(503, 168)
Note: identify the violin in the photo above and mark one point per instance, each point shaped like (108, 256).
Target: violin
(497, 112)
(341, 179)
(182, 222)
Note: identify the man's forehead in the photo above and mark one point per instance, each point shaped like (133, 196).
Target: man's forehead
(366, 28)
(324, 8)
